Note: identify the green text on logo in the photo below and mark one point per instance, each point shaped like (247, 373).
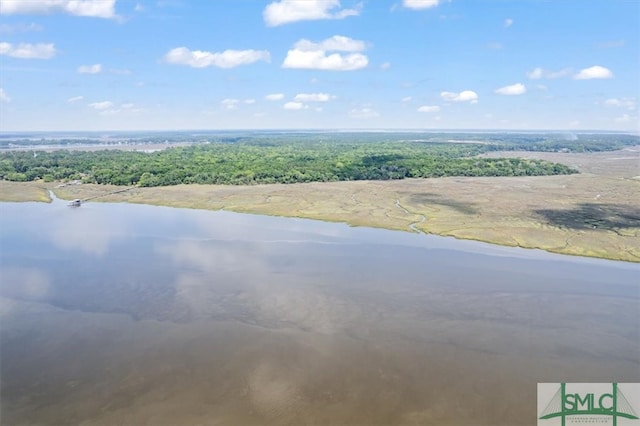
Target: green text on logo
(564, 405)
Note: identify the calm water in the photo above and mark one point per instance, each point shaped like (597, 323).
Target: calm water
(136, 315)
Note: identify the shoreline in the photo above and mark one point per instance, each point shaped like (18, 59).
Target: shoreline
(526, 212)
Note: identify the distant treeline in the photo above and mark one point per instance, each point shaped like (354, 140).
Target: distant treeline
(571, 143)
(549, 142)
(269, 160)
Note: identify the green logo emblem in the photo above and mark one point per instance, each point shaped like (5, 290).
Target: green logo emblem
(586, 401)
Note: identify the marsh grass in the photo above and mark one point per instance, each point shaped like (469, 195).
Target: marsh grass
(23, 192)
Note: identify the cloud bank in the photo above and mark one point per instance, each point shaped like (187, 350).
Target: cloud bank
(28, 50)
(514, 89)
(420, 4)
(429, 108)
(464, 96)
(318, 55)
(594, 72)
(90, 69)
(288, 11)
(87, 8)
(226, 59)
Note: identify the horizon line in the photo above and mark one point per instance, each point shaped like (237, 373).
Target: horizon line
(330, 130)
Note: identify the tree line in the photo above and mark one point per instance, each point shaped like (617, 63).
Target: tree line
(248, 161)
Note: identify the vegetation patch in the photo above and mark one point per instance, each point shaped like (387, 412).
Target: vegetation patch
(17, 192)
(253, 161)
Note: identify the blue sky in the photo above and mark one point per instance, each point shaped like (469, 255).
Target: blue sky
(334, 64)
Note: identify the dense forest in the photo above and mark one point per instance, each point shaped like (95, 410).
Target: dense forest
(287, 157)
(272, 159)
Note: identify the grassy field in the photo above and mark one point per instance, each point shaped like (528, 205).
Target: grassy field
(595, 213)
(22, 192)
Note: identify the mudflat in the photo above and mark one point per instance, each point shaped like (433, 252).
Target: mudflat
(595, 213)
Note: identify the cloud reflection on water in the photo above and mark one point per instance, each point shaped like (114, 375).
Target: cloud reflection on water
(24, 283)
(241, 280)
(89, 231)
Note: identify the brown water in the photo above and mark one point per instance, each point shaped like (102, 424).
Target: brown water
(136, 315)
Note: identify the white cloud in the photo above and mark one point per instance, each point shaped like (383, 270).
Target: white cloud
(538, 73)
(313, 97)
(335, 43)
(4, 97)
(101, 105)
(464, 96)
(226, 59)
(287, 11)
(594, 72)
(385, 65)
(420, 4)
(19, 28)
(364, 113)
(508, 22)
(429, 108)
(406, 99)
(28, 51)
(93, 8)
(90, 69)
(629, 103)
(295, 106)
(275, 97)
(309, 55)
(319, 60)
(494, 45)
(249, 101)
(514, 89)
(75, 99)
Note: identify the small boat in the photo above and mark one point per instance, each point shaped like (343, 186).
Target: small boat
(75, 203)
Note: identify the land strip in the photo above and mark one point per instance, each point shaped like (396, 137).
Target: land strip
(595, 213)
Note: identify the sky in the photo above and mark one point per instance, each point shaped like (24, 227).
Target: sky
(319, 64)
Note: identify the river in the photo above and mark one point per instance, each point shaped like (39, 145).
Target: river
(118, 314)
